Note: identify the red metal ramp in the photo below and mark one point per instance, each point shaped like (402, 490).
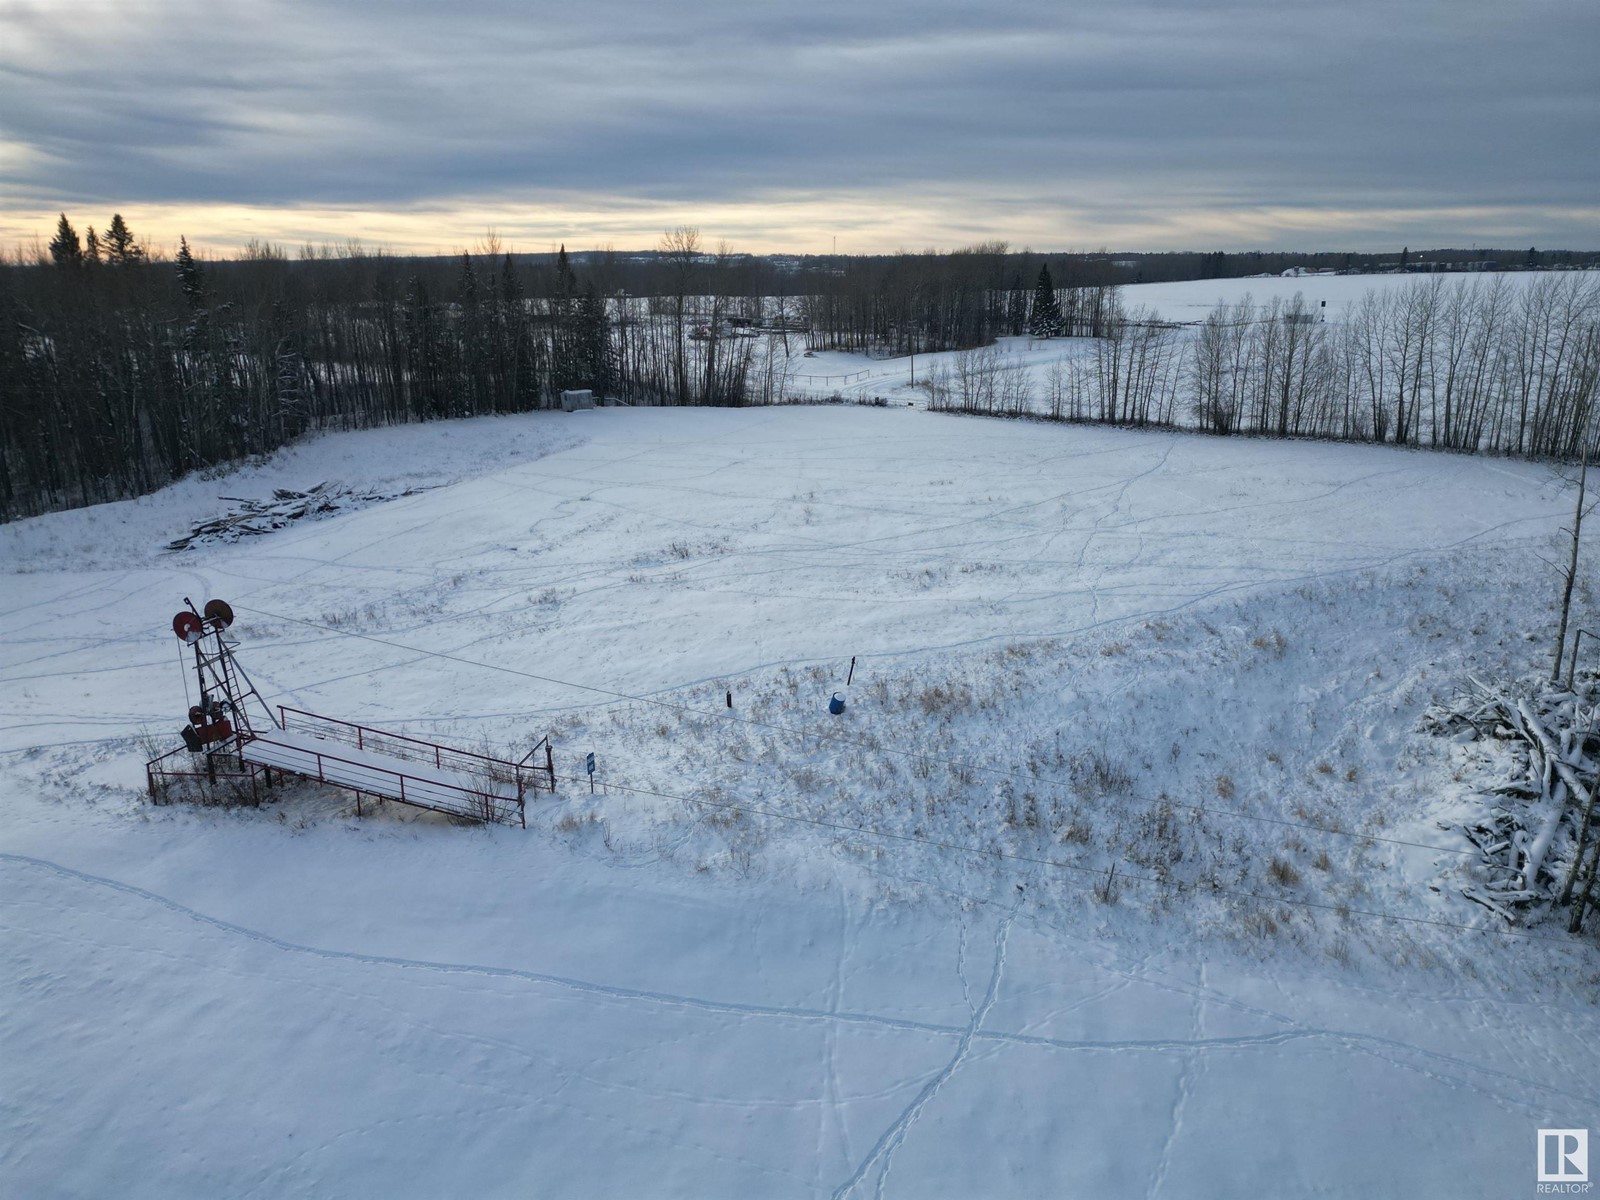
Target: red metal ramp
(375, 762)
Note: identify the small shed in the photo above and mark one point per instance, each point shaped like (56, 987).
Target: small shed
(578, 398)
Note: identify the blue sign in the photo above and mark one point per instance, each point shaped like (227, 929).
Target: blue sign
(589, 763)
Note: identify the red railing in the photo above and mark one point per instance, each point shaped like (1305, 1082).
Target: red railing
(524, 775)
(210, 783)
(486, 803)
(479, 804)
(528, 773)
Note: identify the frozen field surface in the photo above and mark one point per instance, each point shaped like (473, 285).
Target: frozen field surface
(1332, 298)
(642, 995)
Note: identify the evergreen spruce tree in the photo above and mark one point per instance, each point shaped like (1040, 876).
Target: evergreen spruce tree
(1045, 320)
(190, 278)
(566, 285)
(474, 341)
(566, 351)
(120, 247)
(519, 352)
(595, 351)
(91, 248)
(510, 285)
(65, 251)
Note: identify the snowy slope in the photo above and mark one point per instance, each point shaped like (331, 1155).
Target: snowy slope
(647, 996)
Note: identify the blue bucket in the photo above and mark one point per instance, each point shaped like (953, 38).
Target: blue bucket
(836, 705)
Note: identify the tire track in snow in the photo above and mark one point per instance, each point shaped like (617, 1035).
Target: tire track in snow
(1375, 1045)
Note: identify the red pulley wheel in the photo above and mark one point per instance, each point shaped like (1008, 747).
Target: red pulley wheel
(219, 611)
(188, 627)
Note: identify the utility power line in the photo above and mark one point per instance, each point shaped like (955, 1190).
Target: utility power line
(845, 739)
(1064, 865)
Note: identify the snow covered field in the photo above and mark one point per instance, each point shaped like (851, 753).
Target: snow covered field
(781, 953)
(857, 376)
(1191, 300)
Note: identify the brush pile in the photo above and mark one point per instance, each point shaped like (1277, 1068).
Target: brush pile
(253, 517)
(1537, 834)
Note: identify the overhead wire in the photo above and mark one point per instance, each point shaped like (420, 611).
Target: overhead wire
(845, 739)
(1060, 864)
(1112, 871)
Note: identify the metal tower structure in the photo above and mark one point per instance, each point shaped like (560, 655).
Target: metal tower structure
(221, 719)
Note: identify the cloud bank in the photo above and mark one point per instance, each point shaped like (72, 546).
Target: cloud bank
(1182, 124)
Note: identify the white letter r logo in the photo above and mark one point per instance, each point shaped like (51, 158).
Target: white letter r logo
(1563, 1156)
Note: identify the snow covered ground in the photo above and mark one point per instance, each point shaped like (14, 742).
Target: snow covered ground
(1191, 300)
(860, 376)
(781, 953)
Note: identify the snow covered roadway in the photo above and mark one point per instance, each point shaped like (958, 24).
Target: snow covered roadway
(627, 999)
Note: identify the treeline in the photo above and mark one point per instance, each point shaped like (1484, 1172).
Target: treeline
(919, 303)
(120, 372)
(1180, 266)
(1490, 363)
(1014, 270)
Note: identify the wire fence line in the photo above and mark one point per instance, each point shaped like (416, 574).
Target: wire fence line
(852, 377)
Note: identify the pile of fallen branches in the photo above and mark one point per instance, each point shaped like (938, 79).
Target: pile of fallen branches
(1538, 838)
(286, 507)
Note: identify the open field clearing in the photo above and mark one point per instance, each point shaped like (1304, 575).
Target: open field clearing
(1112, 878)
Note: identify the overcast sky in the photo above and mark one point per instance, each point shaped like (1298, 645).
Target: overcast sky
(883, 124)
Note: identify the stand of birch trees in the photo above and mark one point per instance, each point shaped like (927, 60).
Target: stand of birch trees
(1481, 363)
(1475, 363)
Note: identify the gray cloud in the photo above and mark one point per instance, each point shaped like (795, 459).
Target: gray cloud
(1169, 110)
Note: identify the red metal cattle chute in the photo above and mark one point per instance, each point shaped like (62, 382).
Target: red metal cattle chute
(226, 748)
